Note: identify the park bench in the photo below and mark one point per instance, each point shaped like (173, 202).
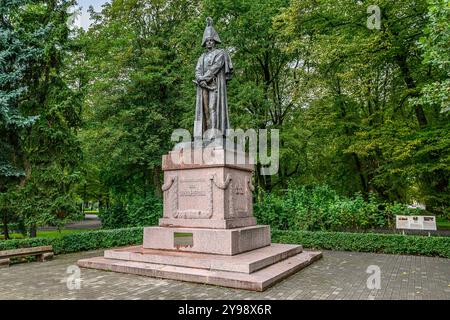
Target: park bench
(43, 253)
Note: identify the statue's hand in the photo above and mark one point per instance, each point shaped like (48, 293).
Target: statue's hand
(203, 84)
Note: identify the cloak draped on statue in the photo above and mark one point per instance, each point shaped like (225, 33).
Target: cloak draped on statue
(211, 111)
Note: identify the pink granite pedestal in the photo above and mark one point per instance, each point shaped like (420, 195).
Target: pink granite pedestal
(208, 233)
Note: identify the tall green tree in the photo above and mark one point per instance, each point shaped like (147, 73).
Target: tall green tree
(436, 52)
(366, 134)
(135, 96)
(15, 59)
(49, 150)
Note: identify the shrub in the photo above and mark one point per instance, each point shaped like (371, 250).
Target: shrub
(321, 208)
(145, 212)
(81, 241)
(271, 211)
(363, 242)
(139, 213)
(366, 242)
(114, 216)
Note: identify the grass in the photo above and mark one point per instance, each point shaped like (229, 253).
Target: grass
(90, 211)
(47, 234)
(443, 224)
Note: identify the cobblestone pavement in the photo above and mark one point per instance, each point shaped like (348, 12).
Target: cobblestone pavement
(338, 275)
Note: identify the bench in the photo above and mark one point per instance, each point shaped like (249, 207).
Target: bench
(43, 253)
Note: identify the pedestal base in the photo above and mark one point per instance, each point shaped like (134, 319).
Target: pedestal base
(254, 270)
(214, 241)
(208, 233)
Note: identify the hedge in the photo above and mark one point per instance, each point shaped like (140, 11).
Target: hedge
(366, 242)
(83, 241)
(345, 241)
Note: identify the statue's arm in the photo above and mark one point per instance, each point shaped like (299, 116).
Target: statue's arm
(214, 68)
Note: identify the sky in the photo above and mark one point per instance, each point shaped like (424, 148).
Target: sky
(83, 20)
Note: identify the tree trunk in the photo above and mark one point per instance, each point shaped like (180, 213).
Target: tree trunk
(157, 181)
(362, 178)
(268, 183)
(411, 84)
(84, 198)
(33, 231)
(5, 224)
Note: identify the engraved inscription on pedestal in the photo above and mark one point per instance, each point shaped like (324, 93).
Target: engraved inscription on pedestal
(194, 199)
(188, 198)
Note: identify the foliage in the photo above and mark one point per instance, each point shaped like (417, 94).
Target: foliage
(42, 114)
(345, 97)
(139, 213)
(362, 242)
(134, 99)
(87, 115)
(362, 127)
(436, 53)
(80, 241)
(46, 234)
(367, 242)
(321, 208)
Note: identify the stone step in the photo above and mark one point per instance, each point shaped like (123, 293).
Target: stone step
(247, 262)
(257, 281)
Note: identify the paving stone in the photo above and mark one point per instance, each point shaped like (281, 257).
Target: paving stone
(338, 276)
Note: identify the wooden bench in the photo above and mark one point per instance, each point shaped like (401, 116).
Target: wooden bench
(43, 253)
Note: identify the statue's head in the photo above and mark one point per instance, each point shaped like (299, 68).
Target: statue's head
(210, 43)
(210, 34)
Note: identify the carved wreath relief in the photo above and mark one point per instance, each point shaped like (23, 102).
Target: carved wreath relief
(181, 194)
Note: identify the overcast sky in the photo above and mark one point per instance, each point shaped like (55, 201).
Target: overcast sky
(83, 20)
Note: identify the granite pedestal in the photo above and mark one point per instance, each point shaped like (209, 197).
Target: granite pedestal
(208, 233)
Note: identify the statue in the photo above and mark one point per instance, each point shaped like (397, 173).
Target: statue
(213, 70)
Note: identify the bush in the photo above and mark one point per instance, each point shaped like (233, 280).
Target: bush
(363, 242)
(139, 213)
(114, 216)
(81, 241)
(321, 208)
(366, 242)
(145, 212)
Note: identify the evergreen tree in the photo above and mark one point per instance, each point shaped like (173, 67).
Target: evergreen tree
(16, 57)
(44, 155)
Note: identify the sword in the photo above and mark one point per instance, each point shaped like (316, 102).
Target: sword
(206, 87)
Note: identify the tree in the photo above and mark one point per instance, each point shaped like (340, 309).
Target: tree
(365, 134)
(135, 95)
(436, 52)
(48, 149)
(16, 57)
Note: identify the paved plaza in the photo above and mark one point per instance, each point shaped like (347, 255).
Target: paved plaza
(338, 275)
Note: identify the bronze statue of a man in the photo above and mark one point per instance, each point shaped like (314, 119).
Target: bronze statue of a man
(213, 70)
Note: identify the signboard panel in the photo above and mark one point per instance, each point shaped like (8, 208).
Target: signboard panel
(416, 222)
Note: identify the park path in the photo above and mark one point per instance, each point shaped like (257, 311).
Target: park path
(90, 222)
(339, 275)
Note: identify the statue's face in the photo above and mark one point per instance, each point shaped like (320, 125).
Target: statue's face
(210, 43)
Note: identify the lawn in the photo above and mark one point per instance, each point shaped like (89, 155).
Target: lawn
(443, 224)
(90, 211)
(47, 234)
